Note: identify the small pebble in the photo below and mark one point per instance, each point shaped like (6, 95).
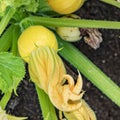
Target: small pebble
(115, 54)
(103, 61)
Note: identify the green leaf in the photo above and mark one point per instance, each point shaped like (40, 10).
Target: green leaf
(32, 6)
(6, 18)
(8, 10)
(12, 71)
(45, 10)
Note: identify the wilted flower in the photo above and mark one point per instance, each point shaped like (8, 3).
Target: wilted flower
(92, 37)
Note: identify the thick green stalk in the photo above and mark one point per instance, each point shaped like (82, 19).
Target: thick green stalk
(15, 35)
(55, 22)
(112, 2)
(90, 71)
(48, 110)
(6, 18)
(6, 39)
(5, 99)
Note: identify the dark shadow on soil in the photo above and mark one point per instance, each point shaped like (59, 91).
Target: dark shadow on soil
(107, 58)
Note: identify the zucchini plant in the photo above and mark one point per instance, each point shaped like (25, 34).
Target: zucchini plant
(36, 41)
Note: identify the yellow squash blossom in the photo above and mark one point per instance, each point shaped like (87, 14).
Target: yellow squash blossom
(48, 72)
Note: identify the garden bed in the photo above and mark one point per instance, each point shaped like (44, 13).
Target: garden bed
(107, 58)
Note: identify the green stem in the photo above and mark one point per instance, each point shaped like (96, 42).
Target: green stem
(5, 99)
(57, 22)
(48, 110)
(15, 35)
(112, 2)
(6, 18)
(6, 39)
(90, 70)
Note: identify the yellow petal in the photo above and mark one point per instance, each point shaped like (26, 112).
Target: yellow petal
(48, 72)
(41, 66)
(83, 113)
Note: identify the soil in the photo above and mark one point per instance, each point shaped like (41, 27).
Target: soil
(107, 58)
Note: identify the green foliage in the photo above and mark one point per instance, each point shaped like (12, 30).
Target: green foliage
(29, 5)
(12, 68)
(6, 39)
(8, 8)
(11, 72)
(3, 6)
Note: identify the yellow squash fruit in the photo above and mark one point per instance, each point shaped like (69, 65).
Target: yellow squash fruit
(33, 37)
(48, 72)
(65, 6)
(71, 34)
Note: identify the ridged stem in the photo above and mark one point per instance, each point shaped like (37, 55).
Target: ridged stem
(57, 22)
(6, 18)
(48, 110)
(5, 99)
(6, 39)
(15, 35)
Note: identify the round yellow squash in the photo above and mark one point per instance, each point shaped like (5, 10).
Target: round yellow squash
(33, 37)
(65, 6)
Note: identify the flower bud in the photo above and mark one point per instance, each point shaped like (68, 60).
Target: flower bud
(70, 34)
